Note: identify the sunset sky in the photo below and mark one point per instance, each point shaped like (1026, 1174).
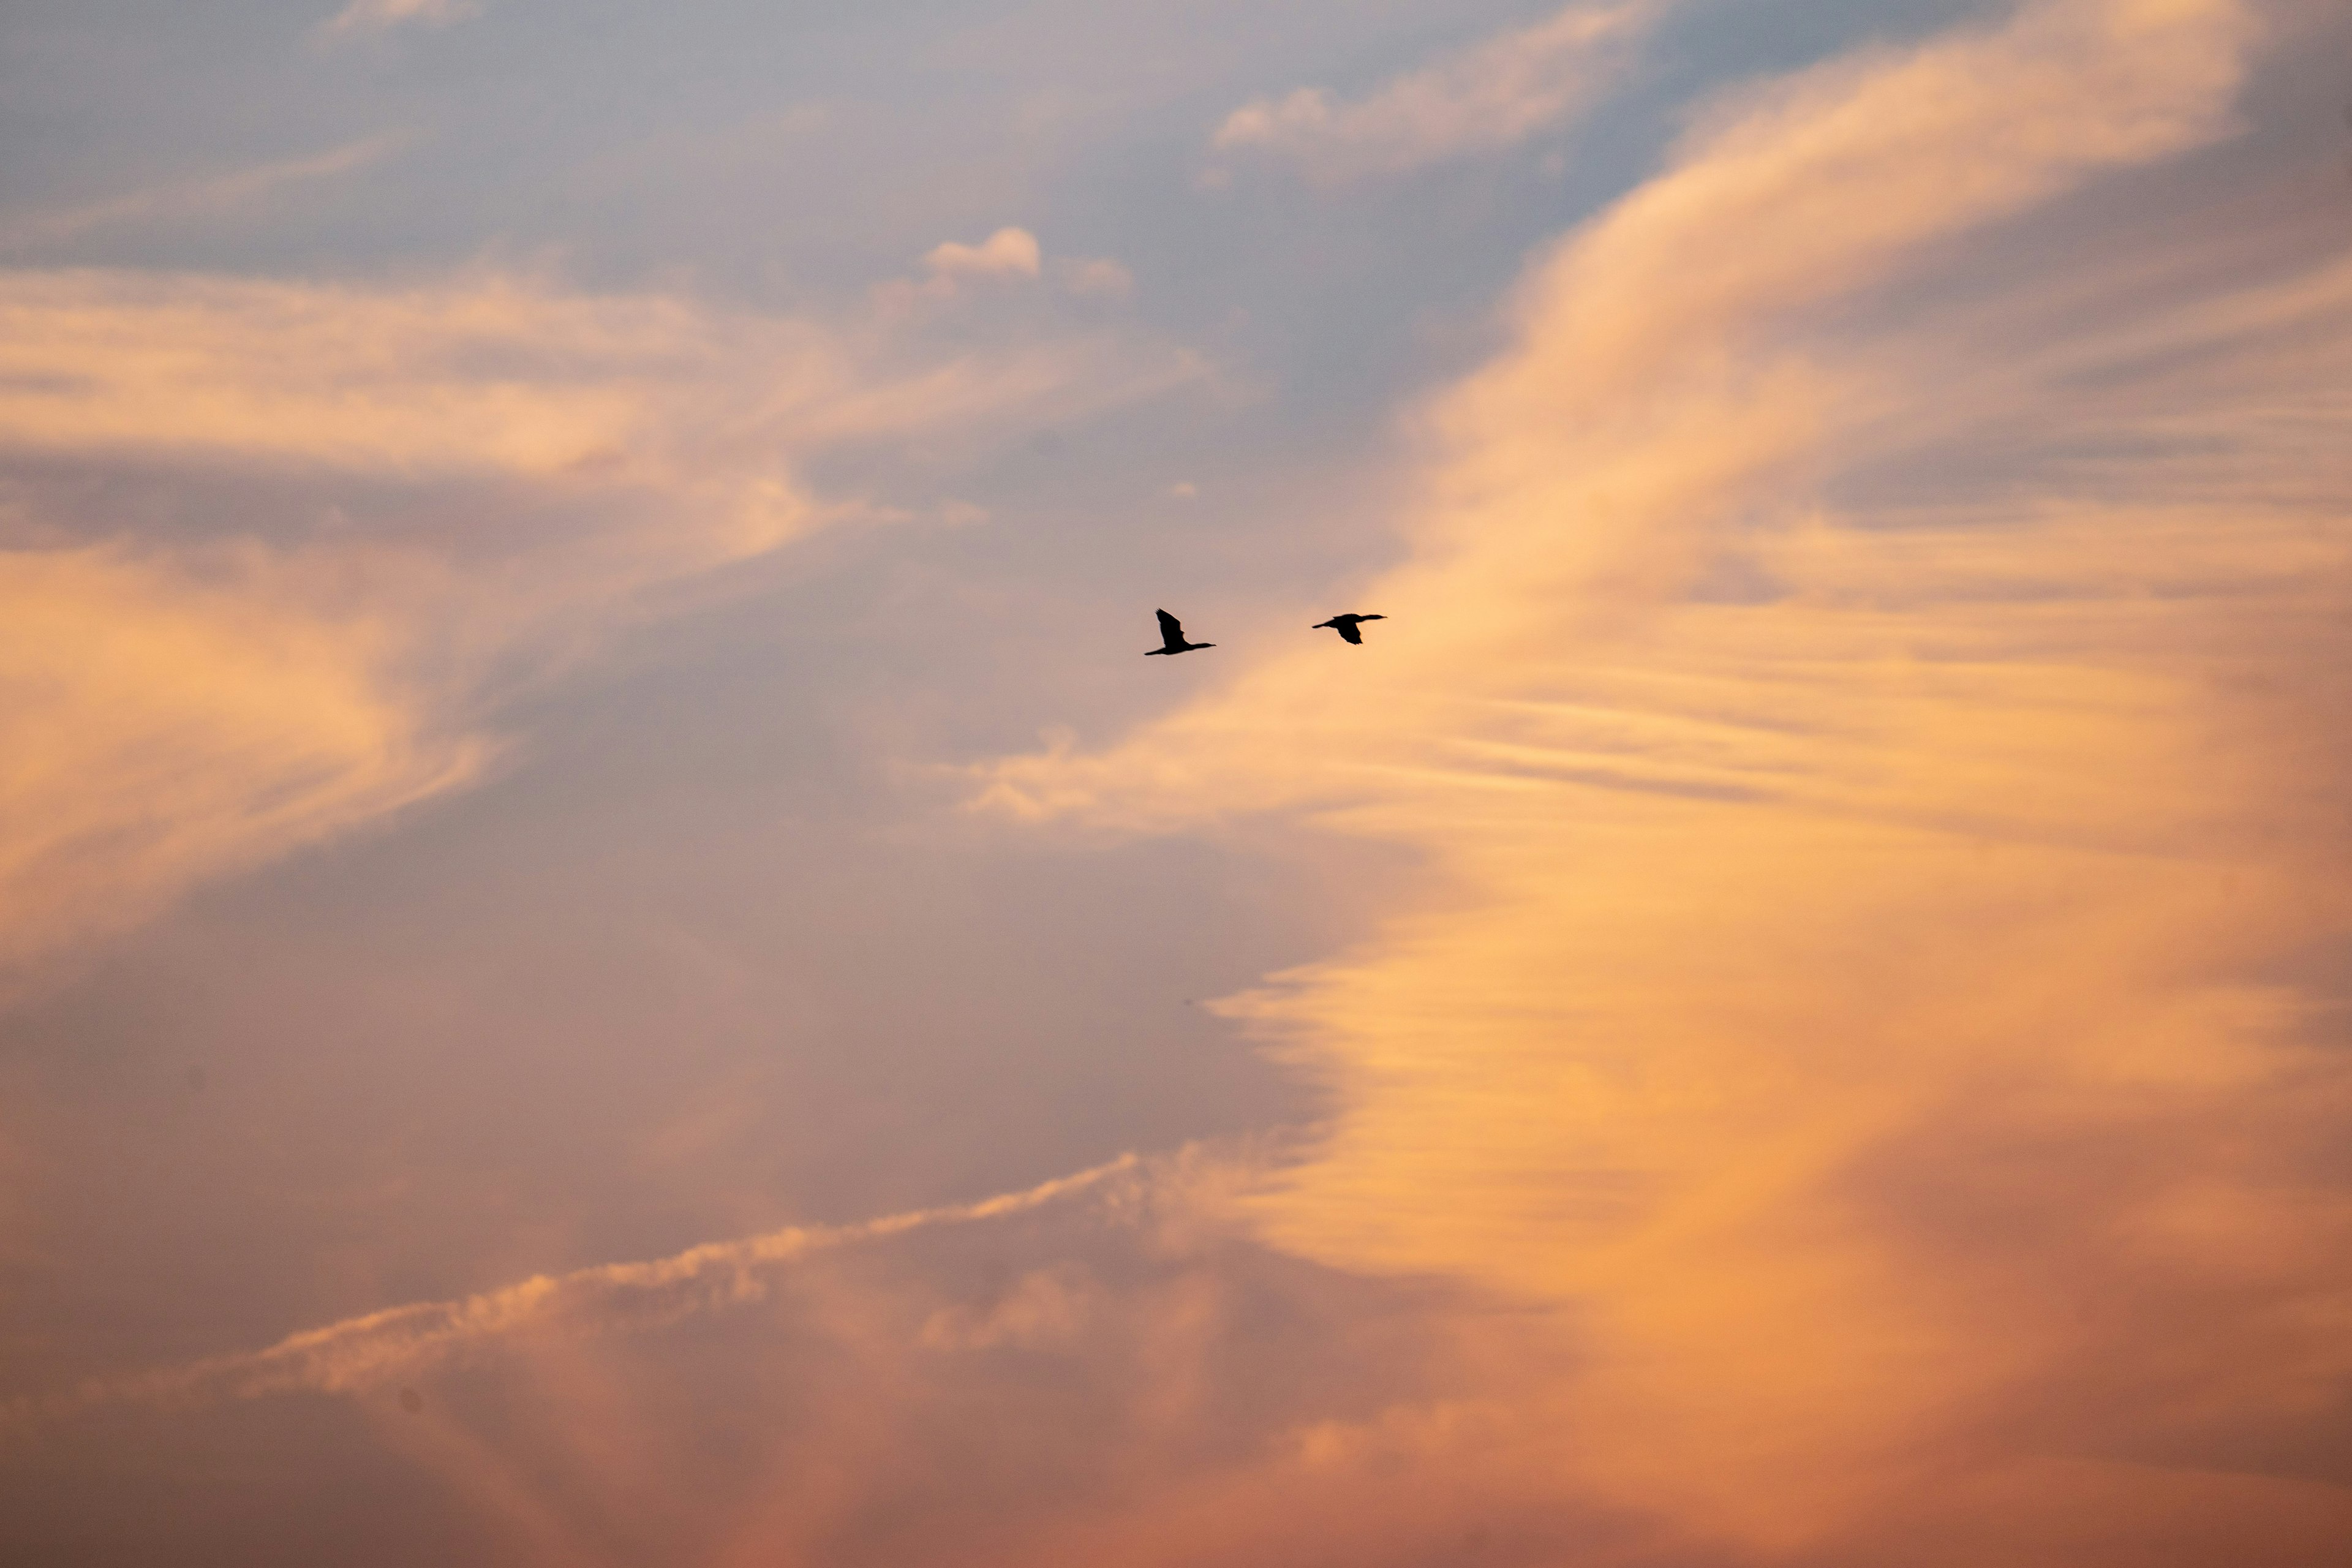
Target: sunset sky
(611, 957)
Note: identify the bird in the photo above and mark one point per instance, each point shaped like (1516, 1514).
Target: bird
(1349, 626)
(1171, 632)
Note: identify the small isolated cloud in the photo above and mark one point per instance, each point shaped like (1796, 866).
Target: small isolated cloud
(1007, 253)
(1010, 255)
(1184, 489)
(381, 15)
(1486, 97)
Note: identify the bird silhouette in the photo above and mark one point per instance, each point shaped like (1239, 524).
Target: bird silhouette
(1349, 626)
(1171, 632)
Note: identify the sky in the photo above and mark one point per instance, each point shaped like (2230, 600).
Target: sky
(609, 956)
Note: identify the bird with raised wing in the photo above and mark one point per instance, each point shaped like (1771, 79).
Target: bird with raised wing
(1349, 626)
(1171, 633)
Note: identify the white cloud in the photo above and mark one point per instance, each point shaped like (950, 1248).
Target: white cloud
(1487, 98)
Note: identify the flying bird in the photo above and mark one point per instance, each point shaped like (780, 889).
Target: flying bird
(1349, 626)
(1171, 632)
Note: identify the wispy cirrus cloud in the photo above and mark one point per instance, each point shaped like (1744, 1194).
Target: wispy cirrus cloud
(492, 373)
(379, 1349)
(193, 198)
(1493, 95)
(1118, 1320)
(168, 722)
(184, 705)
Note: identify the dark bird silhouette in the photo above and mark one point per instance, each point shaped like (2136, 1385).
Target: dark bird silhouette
(1349, 626)
(1171, 632)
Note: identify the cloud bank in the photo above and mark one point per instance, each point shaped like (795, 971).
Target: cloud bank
(1855, 687)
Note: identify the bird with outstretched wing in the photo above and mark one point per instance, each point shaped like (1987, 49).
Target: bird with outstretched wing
(1172, 634)
(1349, 627)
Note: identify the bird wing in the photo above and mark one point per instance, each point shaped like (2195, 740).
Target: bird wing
(1172, 630)
(1347, 629)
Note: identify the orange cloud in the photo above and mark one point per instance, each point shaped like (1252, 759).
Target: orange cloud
(173, 710)
(1851, 1087)
(160, 729)
(491, 374)
(1863, 758)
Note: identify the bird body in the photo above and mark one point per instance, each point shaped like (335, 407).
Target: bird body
(1172, 634)
(1349, 626)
